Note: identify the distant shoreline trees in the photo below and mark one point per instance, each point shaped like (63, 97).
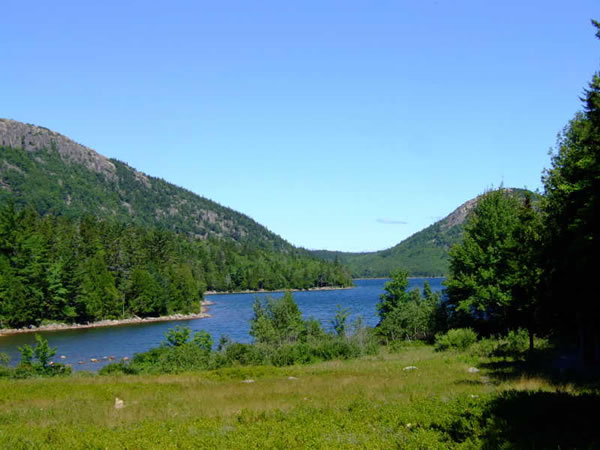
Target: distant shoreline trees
(82, 270)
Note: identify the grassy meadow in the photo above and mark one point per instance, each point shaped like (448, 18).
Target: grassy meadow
(368, 402)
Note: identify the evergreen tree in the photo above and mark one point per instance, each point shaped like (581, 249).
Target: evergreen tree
(395, 294)
(572, 188)
(488, 267)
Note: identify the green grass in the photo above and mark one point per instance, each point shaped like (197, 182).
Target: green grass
(370, 402)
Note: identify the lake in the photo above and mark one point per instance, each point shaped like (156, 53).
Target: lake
(230, 316)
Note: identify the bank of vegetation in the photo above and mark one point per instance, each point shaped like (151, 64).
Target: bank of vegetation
(59, 269)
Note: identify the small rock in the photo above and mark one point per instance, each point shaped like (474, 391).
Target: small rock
(408, 425)
(472, 370)
(292, 378)
(119, 403)
(410, 368)
(474, 396)
(247, 381)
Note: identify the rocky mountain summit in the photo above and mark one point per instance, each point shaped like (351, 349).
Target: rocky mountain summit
(32, 138)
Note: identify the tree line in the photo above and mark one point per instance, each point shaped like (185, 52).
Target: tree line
(55, 268)
(533, 267)
(524, 264)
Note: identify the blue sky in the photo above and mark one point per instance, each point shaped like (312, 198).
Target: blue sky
(344, 125)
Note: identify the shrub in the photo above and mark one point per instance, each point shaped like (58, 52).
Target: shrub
(515, 342)
(119, 368)
(36, 360)
(177, 336)
(203, 340)
(277, 321)
(455, 339)
(244, 354)
(339, 321)
(485, 347)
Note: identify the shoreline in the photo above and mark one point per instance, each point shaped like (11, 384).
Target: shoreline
(389, 278)
(138, 320)
(265, 291)
(110, 322)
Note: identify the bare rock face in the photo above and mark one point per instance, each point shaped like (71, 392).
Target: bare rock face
(32, 138)
(459, 215)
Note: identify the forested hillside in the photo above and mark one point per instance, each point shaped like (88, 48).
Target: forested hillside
(53, 174)
(425, 253)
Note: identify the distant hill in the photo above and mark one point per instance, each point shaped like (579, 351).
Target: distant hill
(56, 175)
(425, 253)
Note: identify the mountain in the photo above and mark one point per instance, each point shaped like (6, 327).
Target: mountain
(55, 175)
(85, 238)
(425, 253)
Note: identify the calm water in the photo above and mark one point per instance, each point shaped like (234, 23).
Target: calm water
(230, 315)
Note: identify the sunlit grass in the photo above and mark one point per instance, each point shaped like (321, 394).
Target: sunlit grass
(371, 402)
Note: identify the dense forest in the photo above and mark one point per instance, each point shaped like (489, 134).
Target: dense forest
(77, 270)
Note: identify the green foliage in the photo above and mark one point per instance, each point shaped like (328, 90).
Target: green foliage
(572, 202)
(36, 361)
(514, 345)
(409, 315)
(41, 352)
(79, 270)
(177, 336)
(203, 340)
(494, 273)
(455, 339)
(395, 294)
(277, 321)
(339, 320)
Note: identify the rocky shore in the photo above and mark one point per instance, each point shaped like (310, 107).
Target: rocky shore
(265, 291)
(109, 323)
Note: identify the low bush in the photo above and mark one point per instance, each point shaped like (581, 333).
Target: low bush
(515, 344)
(455, 339)
(35, 362)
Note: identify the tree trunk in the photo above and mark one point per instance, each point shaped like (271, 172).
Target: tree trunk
(531, 335)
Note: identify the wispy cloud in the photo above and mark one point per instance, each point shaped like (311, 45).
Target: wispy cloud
(392, 222)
